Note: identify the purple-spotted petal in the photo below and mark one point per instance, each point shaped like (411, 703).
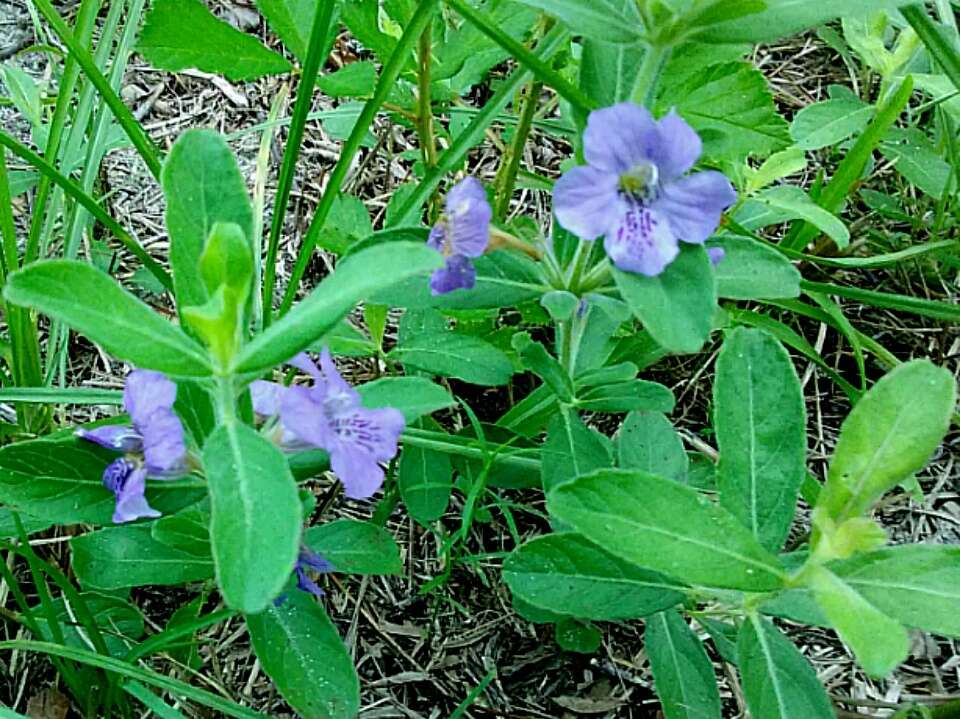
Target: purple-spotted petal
(163, 445)
(146, 392)
(643, 242)
(131, 502)
(678, 148)
(586, 201)
(118, 437)
(468, 216)
(265, 397)
(457, 273)
(693, 204)
(620, 137)
(360, 473)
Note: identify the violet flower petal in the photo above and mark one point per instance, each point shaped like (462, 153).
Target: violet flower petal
(118, 437)
(678, 148)
(643, 243)
(338, 394)
(693, 204)
(265, 397)
(129, 485)
(586, 201)
(468, 215)
(620, 137)
(359, 472)
(163, 444)
(303, 416)
(457, 273)
(146, 392)
(716, 255)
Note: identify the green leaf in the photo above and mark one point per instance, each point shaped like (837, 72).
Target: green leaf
(24, 93)
(787, 17)
(566, 574)
(889, 435)
(571, 449)
(129, 556)
(597, 19)
(636, 394)
(760, 422)
(778, 682)
(299, 648)
(916, 158)
(677, 306)
(31, 524)
(732, 108)
(94, 304)
(648, 442)
(534, 357)
(665, 526)
(187, 530)
(358, 79)
(292, 20)
(573, 635)
(413, 396)
(120, 622)
(62, 482)
(203, 186)
(355, 547)
(682, 672)
(255, 516)
(355, 279)
(829, 122)
(180, 34)
(879, 643)
(449, 354)
(753, 271)
(608, 71)
(918, 584)
(791, 203)
(425, 479)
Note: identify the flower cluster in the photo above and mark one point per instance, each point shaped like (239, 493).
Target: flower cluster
(329, 415)
(153, 445)
(461, 235)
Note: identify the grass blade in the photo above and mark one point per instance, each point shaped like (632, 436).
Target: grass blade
(904, 303)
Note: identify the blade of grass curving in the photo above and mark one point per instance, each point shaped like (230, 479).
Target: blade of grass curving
(388, 77)
(151, 701)
(133, 129)
(510, 163)
(162, 639)
(904, 303)
(541, 70)
(147, 676)
(846, 329)
(72, 189)
(86, 19)
(288, 167)
(851, 167)
(941, 48)
(473, 133)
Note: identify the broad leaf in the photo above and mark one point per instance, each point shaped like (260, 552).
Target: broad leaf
(608, 71)
(778, 681)
(753, 271)
(760, 422)
(292, 20)
(354, 280)
(357, 79)
(120, 622)
(597, 19)
(787, 202)
(571, 449)
(180, 34)
(62, 482)
(92, 303)
(682, 672)
(129, 556)
(355, 547)
(413, 396)
(677, 306)
(255, 516)
(916, 158)
(826, 123)
(425, 479)
(665, 526)
(202, 186)
(299, 648)
(566, 574)
(638, 394)
(534, 357)
(889, 435)
(449, 354)
(649, 443)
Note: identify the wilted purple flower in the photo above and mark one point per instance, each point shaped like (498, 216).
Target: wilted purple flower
(461, 234)
(329, 415)
(634, 190)
(153, 445)
(307, 559)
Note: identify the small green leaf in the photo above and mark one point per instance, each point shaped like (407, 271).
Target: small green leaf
(571, 449)
(560, 304)
(760, 422)
(792, 203)
(534, 357)
(889, 435)
(638, 394)
(358, 79)
(180, 34)
(299, 648)
(682, 672)
(753, 271)
(129, 556)
(667, 527)
(292, 20)
(413, 396)
(648, 442)
(826, 123)
(355, 547)
(566, 574)
(449, 354)
(91, 302)
(425, 479)
(677, 306)
(597, 19)
(778, 681)
(255, 516)
(577, 636)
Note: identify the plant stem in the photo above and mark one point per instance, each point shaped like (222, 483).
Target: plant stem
(507, 176)
(428, 143)
(645, 86)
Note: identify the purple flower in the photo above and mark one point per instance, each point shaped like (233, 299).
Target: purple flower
(307, 559)
(461, 234)
(329, 415)
(716, 255)
(634, 190)
(153, 445)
